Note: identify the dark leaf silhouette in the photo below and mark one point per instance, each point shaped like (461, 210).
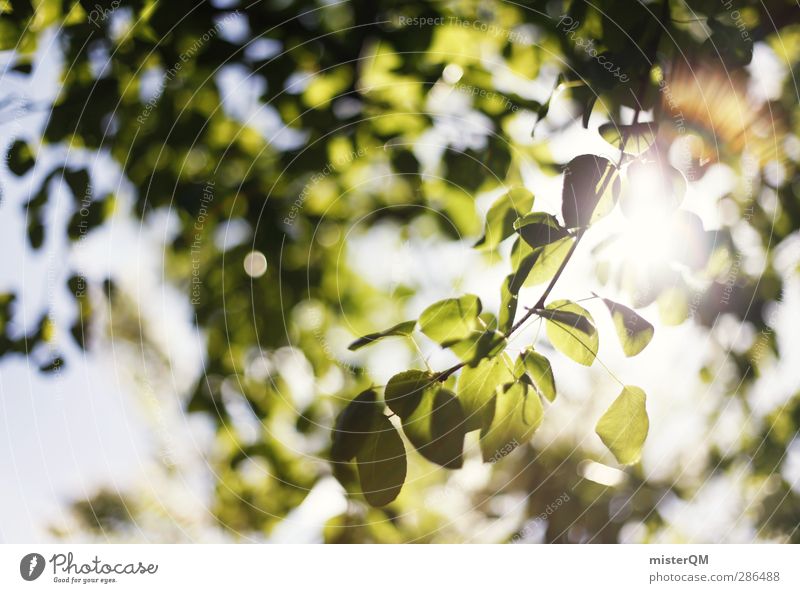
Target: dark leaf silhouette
(401, 329)
(589, 181)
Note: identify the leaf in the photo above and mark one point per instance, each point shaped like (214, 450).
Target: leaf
(623, 428)
(571, 330)
(591, 184)
(354, 425)
(673, 306)
(401, 329)
(534, 266)
(20, 158)
(404, 391)
(517, 414)
(382, 463)
(502, 214)
(480, 344)
(79, 184)
(508, 303)
(634, 331)
(56, 364)
(22, 67)
(539, 229)
(637, 138)
(728, 44)
(538, 367)
(436, 428)
(476, 388)
(587, 110)
(451, 320)
(465, 170)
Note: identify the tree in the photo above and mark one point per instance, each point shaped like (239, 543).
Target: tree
(348, 127)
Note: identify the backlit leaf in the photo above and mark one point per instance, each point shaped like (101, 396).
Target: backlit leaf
(635, 138)
(502, 214)
(508, 304)
(539, 229)
(537, 266)
(20, 158)
(476, 389)
(382, 463)
(451, 320)
(401, 329)
(517, 414)
(540, 372)
(633, 330)
(571, 330)
(436, 428)
(354, 425)
(623, 428)
(480, 344)
(591, 184)
(404, 391)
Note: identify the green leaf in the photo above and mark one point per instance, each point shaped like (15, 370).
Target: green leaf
(79, 184)
(538, 367)
(354, 425)
(637, 138)
(403, 392)
(480, 344)
(534, 266)
(508, 304)
(623, 428)
(633, 330)
(571, 330)
(517, 414)
(502, 214)
(673, 305)
(401, 329)
(382, 463)
(436, 428)
(20, 158)
(539, 229)
(451, 320)
(591, 184)
(476, 388)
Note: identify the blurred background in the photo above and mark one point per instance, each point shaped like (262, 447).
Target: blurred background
(204, 203)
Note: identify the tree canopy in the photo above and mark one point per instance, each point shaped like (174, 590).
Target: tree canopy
(601, 173)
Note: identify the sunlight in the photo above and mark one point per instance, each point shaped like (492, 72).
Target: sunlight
(646, 231)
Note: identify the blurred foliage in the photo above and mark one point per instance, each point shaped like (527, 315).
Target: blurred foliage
(353, 87)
